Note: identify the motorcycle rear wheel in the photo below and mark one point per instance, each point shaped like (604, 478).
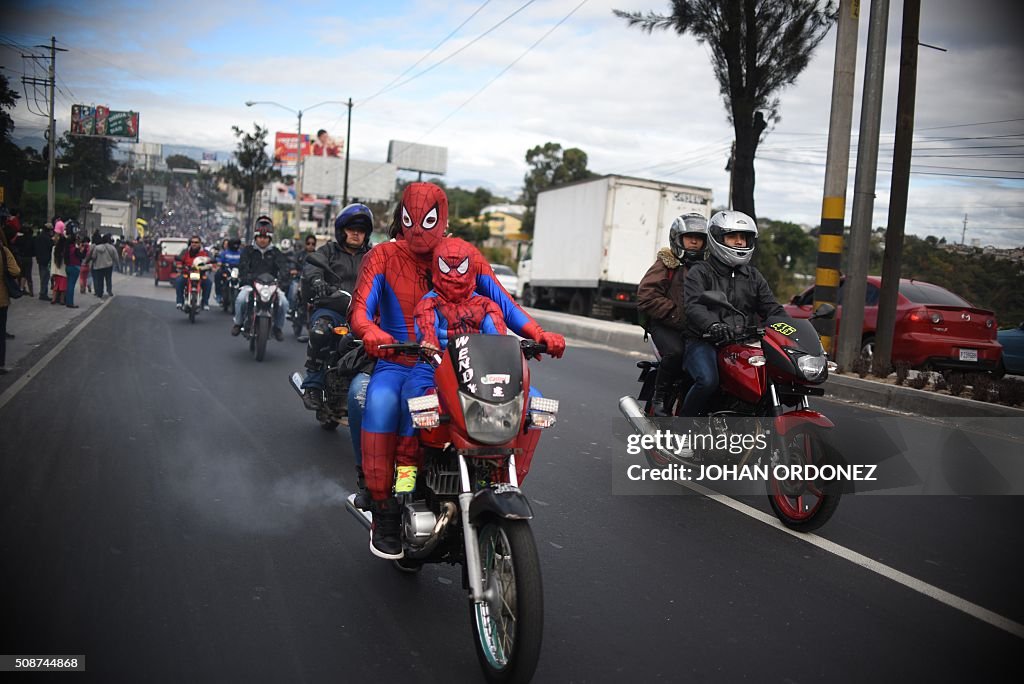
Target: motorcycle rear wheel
(508, 627)
(803, 506)
(262, 334)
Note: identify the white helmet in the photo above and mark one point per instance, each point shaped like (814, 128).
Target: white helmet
(286, 244)
(731, 222)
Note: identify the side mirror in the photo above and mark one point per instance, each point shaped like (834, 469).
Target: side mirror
(795, 300)
(824, 311)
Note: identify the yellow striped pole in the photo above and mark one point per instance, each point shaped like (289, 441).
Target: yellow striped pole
(833, 207)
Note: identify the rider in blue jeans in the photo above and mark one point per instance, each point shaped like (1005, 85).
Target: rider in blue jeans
(732, 237)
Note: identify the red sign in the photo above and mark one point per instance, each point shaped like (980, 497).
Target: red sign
(286, 150)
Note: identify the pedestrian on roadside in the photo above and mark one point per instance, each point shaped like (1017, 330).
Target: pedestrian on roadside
(102, 261)
(24, 250)
(58, 263)
(84, 281)
(8, 264)
(43, 249)
(76, 255)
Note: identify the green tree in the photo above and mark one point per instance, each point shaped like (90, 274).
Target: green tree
(251, 169)
(757, 48)
(8, 99)
(550, 165)
(180, 161)
(90, 163)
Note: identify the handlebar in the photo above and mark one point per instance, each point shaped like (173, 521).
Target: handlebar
(737, 334)
(529, 348)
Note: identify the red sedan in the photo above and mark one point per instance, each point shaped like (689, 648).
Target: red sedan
(934, 327)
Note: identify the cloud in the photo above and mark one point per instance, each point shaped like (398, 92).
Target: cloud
(645, 105)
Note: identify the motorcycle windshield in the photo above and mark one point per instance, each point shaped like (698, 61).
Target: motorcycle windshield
(797, 333)
(487, 367)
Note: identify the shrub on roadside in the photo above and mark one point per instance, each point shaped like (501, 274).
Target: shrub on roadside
(919, 381)
(956, 383)
(902, 370)
(1010, 391)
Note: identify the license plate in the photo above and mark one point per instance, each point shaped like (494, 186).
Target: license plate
(968, 354)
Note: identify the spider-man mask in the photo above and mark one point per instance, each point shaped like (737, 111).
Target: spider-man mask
(454, 270)
(424, 216)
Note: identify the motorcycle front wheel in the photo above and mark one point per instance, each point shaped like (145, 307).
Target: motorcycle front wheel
(192, 308)
(508, 625)
(262, 334)
(803, 505)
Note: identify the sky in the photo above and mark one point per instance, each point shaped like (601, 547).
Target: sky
(490, 79)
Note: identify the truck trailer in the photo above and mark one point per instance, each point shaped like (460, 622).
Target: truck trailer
(593, 241)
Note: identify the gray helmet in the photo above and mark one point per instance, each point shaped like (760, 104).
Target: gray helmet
(731, 222)
(688, 224)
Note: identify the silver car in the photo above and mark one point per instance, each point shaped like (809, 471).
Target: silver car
(507, 277)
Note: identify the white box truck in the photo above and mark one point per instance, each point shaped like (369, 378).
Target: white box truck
(593, 241)
(116, 217)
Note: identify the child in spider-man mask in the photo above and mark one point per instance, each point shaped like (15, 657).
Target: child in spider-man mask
(452, 308)
(392, 279)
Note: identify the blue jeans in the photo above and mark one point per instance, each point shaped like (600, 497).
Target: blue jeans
(242, 302)
(355, 414)
(179, 288)
(73, 272)
(701, 361)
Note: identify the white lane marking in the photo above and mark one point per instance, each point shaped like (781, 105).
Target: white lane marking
(50, 356)
(951, 600)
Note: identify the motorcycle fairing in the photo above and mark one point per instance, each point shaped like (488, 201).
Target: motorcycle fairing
(505, 501)
(482, 368)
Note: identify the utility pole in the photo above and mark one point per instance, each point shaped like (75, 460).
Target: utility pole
(903, 147)
(348, 147)
(864, 188)
(51, 129)
(298, 178)
(730, 167)
(963, 235)
(833, 206)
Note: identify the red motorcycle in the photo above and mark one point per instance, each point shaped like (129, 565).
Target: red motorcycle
(765, 373)
(467, 508)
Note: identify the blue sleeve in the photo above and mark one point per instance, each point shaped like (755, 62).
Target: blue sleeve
(514, 316)
(487, 325)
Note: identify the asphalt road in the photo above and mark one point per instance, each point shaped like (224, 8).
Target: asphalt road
(169, 509)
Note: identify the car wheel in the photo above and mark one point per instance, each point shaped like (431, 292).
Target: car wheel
(867, 348)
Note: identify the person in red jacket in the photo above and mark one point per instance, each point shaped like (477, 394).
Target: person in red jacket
(393, 278)
(192, 252)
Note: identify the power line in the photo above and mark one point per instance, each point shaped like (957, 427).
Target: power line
(450, 55)
(432, 51)
(977, 123)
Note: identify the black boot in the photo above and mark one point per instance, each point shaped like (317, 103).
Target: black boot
(664, 400)
(385, 533)
(362, 500)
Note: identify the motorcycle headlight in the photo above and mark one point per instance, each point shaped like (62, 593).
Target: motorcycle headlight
(814, 368)
(265, 292)
(194, 275)
(491, 423)
(234, 273)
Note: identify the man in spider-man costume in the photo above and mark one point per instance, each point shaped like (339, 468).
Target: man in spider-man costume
(393, 278)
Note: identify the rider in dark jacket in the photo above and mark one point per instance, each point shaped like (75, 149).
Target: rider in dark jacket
(328, 278)
(257, 259)
(732, 236)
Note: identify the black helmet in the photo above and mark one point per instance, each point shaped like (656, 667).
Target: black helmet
(71, 227)
(353, 216)
(688, 224)
(263, 226)
(234, 243)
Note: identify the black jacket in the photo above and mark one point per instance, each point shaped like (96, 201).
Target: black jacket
(336, 267)
(43, 241)
(745, 287)
(253, 262)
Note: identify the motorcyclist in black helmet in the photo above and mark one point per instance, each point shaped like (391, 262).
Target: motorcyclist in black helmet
(660, 302)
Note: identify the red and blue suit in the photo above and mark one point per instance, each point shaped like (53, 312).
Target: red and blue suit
(393, 278)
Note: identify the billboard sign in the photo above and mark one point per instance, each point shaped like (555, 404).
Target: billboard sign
(286, 152)
(367, 181)
(415, 157)
(104, 122)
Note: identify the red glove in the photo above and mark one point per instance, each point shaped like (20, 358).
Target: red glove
(554, 341)
(372, 340)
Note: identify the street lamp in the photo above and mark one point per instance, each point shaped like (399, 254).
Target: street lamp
(298, 145)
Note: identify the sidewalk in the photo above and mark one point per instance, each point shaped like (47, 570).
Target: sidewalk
(35, 323)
